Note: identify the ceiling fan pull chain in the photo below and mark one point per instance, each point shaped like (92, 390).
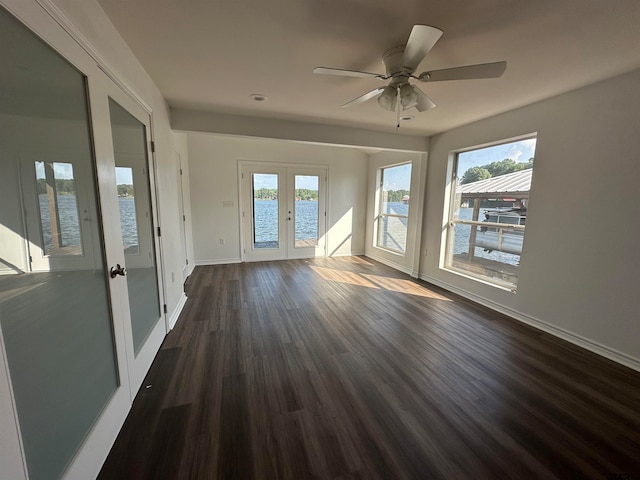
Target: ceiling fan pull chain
(397, 109)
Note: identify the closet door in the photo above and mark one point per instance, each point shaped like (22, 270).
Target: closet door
(130, 142)
(63, 363)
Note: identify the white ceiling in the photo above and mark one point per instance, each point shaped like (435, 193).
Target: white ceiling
(212, 54)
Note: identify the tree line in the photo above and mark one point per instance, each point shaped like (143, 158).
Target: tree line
(125, 190)
(396, 195)
(272, 194)
(64, 186)
(494, 169)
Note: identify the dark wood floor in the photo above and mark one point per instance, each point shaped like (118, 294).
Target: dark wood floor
(346, 369)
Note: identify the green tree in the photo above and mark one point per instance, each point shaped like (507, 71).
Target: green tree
(396, 195)
(475, 174)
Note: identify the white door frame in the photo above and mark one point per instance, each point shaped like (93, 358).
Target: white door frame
(286, 171)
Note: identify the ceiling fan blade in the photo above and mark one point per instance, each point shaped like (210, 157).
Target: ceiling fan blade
(424, 102)
(470, 72)
(347, 73)
(364, 98)
(421, 40)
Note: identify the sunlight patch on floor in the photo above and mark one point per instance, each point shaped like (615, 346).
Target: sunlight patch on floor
(401, 285)
(341, 276)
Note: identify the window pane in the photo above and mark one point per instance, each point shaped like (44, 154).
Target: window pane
(394, 207)
(493, 188)
(306, 210)
(393, 233)
(265, 210)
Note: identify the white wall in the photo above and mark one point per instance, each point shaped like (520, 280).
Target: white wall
(213, 163)
(408, 262)
(579, 269)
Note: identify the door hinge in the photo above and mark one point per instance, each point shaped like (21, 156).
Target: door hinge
(153, 146)
(180, 171)
(30, 259)
(159, 233)
(184, 218)
(165, 308)
(186, 261)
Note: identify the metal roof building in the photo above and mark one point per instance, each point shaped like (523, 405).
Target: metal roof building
(514, 184)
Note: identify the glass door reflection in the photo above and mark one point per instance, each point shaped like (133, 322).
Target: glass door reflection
(136, 221)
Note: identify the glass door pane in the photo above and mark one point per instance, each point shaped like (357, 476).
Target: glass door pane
(55, 310)
(306, 210)
(265, 211)
(136, 221)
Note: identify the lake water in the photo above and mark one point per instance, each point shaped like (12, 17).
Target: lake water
(461, 242)
(266, 220)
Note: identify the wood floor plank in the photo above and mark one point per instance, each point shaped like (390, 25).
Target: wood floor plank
(342, 368)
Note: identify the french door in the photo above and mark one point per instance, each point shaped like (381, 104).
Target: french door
(80, 317)
(283, 211)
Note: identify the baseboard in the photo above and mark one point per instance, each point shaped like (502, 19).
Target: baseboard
(595, 347)
(389, 263)
(176, 311)
(218, 261)
(347, 254)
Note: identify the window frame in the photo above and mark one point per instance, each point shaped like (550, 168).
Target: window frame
(451, 220)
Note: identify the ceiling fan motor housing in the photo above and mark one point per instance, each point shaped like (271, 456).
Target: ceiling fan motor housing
(392, 60)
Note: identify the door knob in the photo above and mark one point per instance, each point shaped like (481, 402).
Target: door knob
(117, 270)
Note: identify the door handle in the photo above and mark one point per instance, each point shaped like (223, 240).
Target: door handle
(117, 270)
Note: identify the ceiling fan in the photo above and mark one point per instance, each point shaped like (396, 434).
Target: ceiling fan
(401, 62)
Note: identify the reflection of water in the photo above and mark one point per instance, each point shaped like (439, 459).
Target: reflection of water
(128, 221)
(70, 225)
(461, 242)
(67, 216)
(266, 220)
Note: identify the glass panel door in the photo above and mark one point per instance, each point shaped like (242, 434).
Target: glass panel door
(134, 185)
(264, 213)
(283, 212)
(136, 221)
(307, 202)
(55, 297)
(265, 218)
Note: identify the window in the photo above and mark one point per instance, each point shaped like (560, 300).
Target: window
(488, 213)
(393, 207)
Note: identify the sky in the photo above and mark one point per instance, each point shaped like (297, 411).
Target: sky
(264, 180)
(397, 178)
(64, 171)
(520, 151)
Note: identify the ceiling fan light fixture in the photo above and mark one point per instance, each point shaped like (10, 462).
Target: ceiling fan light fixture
(408, 96)
(388, 98)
